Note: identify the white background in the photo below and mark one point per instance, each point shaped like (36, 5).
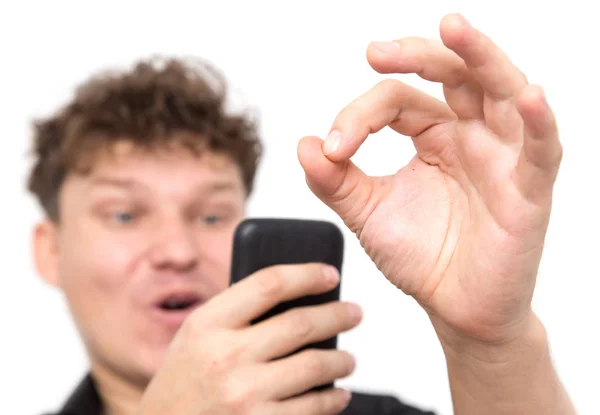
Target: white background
(299, 63)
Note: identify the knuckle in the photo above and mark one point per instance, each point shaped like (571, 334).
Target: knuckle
(459, 75)
(315, 364)
(238, 393)
(405, 42)
(390, 91)
(237, 398)
(301, 325)
(271, 283)
(389, 84)
(410, 43)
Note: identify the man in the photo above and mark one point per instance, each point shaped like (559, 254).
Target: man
(143, 178)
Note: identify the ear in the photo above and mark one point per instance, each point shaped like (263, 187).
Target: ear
(45, 251)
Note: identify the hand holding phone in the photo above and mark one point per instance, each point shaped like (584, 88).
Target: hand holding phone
(219, 362)
(235, 355)
(261, 243)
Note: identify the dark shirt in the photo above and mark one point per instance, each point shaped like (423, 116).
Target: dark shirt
(85, 401)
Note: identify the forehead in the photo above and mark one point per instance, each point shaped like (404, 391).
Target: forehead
(159, 169)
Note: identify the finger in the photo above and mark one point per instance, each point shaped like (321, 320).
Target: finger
(429, 59)
(333, 178)
(541, 154)
(432, 61)
(288, 332)
(305, 370)
(498, 76)
(404, 108)
(258, 293)
(342, 186)
(328, 402)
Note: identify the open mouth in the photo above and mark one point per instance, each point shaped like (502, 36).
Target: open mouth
(179, 303)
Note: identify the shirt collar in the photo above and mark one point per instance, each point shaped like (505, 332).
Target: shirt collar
(84, 400)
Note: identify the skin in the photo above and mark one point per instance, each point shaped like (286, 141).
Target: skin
(461, 228)
(142, 223)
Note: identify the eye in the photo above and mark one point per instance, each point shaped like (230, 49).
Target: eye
(212, 219)
(124, 217)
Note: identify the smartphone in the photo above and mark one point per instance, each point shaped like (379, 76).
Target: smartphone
(263, 242)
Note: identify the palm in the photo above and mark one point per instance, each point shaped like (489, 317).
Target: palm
(461, 227)
(458, 236)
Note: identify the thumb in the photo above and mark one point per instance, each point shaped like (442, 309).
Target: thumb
(341, 185)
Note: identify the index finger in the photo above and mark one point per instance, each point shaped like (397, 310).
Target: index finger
(392, 103)
(498, 76)
(258, 293)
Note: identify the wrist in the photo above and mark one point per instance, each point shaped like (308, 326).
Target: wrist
(508, 377)
(527, 338)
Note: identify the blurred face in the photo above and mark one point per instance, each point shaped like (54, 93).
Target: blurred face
(143, 240)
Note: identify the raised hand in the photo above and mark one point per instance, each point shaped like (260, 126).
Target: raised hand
(461, 228)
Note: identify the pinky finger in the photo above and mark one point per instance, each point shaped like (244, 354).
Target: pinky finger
(328, 402)
(542, 151)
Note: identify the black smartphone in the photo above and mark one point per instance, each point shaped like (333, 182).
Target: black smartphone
(263, 242)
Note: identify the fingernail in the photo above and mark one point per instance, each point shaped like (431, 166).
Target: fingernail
(386, 47)
(331, 274)
(463, 20)
(456, 21)
(355, 311)
(332, 142)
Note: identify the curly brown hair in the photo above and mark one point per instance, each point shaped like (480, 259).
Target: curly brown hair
(158, 103)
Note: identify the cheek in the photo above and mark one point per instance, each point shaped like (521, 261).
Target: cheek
(215, 258)
(95, 268)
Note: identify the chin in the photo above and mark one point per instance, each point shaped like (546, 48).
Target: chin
(137, 359)
(143, 364)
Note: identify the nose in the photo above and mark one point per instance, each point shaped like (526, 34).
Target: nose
(174, 246)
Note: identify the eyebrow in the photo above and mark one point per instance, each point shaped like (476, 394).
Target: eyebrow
(115, 182)
(217, 187)
(122, 185)
(214, 186)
